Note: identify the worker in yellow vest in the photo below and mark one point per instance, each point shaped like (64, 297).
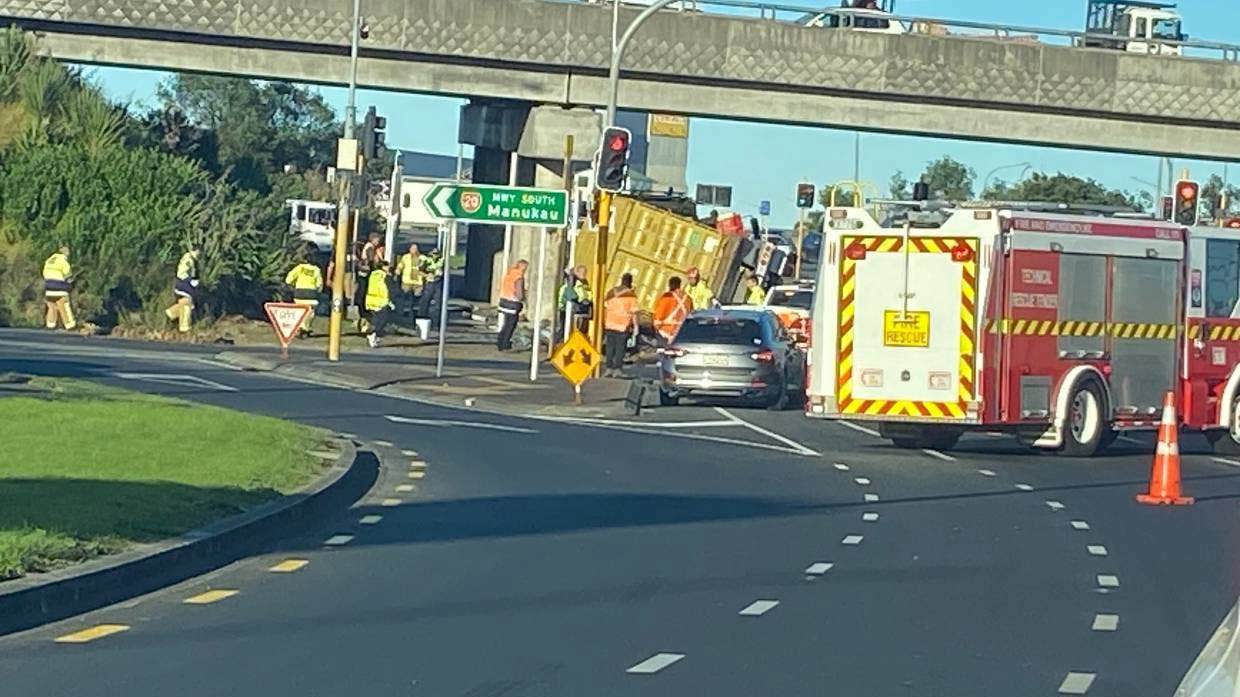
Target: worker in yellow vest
(754, 295)
(57, 282)
(306, 280)
(412, 279)
(378, 300)
(185, 289)
(698, 290)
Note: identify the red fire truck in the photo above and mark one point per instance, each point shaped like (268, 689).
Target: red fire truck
(1062, 329)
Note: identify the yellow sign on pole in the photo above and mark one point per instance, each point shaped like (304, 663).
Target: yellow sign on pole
(576, 359)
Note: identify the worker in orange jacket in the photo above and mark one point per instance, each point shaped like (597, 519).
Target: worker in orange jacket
(671, 309)
(511, 302)
(619, 321)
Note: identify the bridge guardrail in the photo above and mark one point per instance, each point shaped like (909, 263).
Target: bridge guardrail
(1192, 48)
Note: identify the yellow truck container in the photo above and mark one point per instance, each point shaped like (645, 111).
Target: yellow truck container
(654, 244)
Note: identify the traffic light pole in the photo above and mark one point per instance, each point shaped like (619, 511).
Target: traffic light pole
(343, 211)
(617, 51)
(600, 269)
(800, 241)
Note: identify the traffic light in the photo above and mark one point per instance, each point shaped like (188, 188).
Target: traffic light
(1187, 197)
(1168, 207)
(805, 195)
(921, 191)
(613, 159)
(1232, 223)
(372, 134)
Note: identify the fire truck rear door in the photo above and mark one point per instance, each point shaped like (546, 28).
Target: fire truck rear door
(907, 326)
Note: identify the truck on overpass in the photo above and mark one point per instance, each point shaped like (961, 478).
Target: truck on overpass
(1136, 26)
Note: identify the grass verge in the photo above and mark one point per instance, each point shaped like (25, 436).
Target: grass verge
(89, 469)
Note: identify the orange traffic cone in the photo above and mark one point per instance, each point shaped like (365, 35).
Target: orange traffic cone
(1165, 476)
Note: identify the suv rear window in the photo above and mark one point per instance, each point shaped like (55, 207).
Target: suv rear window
(711, 330)
(803, 299)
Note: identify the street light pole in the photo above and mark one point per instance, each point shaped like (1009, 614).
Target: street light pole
(1025, 167)
(343, 213)
(617, 51)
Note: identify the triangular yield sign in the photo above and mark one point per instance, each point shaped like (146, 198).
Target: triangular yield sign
(286, 318)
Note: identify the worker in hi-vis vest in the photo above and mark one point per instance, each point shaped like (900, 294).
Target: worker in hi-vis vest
(185, 288)
(57, 282)
(306, 280)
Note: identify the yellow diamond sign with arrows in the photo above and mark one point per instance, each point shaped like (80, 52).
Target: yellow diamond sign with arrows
(576, 359)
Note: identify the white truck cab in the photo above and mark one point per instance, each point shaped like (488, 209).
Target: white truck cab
(860, 15)
(1135, 26)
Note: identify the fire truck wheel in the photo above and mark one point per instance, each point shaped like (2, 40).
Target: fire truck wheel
(1084, 428)
(1228, 442)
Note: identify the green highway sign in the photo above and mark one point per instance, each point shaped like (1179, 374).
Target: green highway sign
(483, 203)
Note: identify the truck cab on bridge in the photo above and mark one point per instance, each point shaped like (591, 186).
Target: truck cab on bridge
(1134, 26)
(873, 16)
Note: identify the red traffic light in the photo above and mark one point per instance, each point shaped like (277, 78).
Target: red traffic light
(618, 142)
(1188, 190)
(1186, 193)
(1233, 223)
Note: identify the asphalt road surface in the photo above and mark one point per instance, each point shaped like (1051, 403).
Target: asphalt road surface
(696, 551)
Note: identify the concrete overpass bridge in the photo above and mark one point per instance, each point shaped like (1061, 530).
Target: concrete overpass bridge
(555, 53)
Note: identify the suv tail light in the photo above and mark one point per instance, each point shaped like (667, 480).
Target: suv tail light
(763, 356)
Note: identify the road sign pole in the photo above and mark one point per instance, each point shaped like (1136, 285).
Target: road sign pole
(573, 228)
(538, 301)
(447, 243)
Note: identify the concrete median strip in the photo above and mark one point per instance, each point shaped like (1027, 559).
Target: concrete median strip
(36, 600)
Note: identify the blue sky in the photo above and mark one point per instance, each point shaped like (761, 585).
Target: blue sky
(766, 161)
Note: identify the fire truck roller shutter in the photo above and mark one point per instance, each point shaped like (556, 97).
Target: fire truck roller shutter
(1142, 367)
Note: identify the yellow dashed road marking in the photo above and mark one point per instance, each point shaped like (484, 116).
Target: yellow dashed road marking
(209, 597)
(416, 474)
(288, 566)
(418, 464)
(91, 633)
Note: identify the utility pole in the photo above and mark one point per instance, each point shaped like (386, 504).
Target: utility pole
(344, 214)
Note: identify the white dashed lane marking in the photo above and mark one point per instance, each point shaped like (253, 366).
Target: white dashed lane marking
(818, 568)
(1076, 683)
(370, 519)
(986, 473)
(337, 540)
(1108, 581)
(942, 456)
(1097, 550)
(841, 466)
(860, 429)
(1105, 623)
(1055, 505)
(383, 443)
(1079, 525)
(862, 481)
(1024, 487)
(870, 498)
(852, 540)
(655, 663)
(389, 503)
(758, 608)
(403, 488)
(869, 517)
(1226, 461)
(409, 453)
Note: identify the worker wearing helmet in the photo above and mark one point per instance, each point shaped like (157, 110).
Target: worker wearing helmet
(698, 290)
(57, 282)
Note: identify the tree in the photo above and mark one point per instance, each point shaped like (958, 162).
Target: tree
(1060, 188)
(1210, 193)
(899, 187)
(260, 128)
(949, 179)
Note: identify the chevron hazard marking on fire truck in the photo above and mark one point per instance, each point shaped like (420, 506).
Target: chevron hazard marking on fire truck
(1118, 330)
(848, 404)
